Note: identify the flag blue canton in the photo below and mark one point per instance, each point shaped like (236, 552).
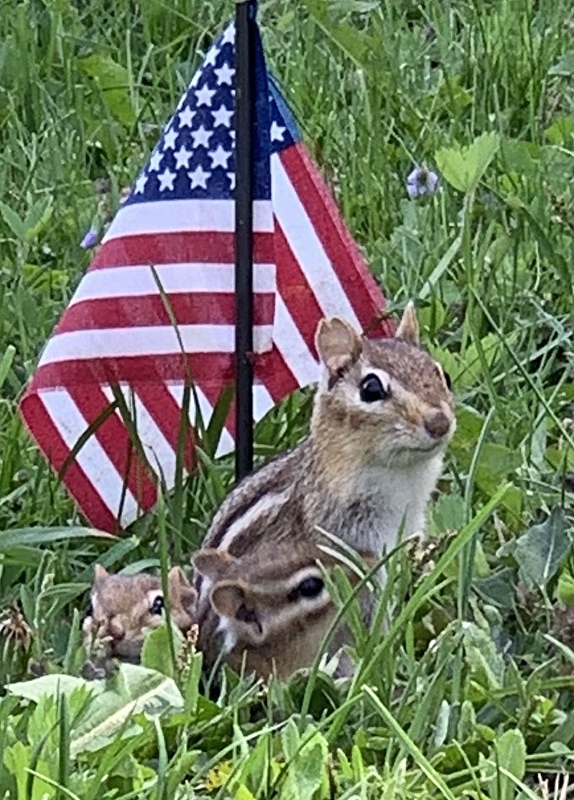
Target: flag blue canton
(283, 130)
(195, 157)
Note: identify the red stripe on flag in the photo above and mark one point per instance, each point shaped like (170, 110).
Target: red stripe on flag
(351, 267)
(166, 413)
(272, 371)
(55, 450)
(149, 310)
(214, 367)
(204, 368)
(295, 290)
(114, 438)
(195, 247)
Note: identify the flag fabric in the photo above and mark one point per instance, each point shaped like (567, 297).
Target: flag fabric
(168, 257)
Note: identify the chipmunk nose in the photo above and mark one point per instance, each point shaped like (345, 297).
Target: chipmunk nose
(116, 633)
(438, 425)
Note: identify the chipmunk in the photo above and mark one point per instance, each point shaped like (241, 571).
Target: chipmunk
(123, 608)
(382, 416)
(269, 609)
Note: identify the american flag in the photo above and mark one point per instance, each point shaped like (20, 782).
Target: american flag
(169, 253)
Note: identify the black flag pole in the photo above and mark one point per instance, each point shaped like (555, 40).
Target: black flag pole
(244, 106)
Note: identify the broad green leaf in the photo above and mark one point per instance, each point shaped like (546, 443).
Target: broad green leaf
(51, 685)
(13, 221)
(542, 549)
(113, 80)
(509, 753)
(463, 167)
(307, 764)
(497, 588)
(565, 589)
(156, 651)
(17, 759)
(135, 690)
(520, 157)
(485, 662)
(38, 217)
(561, 130)
(564, 67)
(36, 537)
(448, 513)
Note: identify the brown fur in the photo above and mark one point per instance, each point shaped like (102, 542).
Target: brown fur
(271, 633)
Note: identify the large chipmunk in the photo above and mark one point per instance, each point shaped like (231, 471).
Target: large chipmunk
(123, 608)
(383, 414)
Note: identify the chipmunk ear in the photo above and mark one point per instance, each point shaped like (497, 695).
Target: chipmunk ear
(177, 578)
(338, 344)
(213, 563)
(408, 329)
(180, 590)
(100, 573)
(230, 599)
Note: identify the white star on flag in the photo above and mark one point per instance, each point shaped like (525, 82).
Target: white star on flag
(225, 74)
(200, 137)
(186, 118)
(169, 139)
(198, 177)
(276, 132)
(228, 35)
(204, 96)
(140, 183)
(222, 117)
(182, 157)
(155, 161)
(219, 157)
(166, 180)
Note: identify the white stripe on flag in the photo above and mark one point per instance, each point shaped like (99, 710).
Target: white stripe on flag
(293, 346)
(149, 341)
(173, 278)
(91, 457)
(307, 247)
(262, 401)
(226, 443)
(158, 451)
(177, 216)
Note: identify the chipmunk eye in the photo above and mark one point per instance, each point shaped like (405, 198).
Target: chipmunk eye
(157, 605)
(371, 389)
(309, 587)
(89, 611)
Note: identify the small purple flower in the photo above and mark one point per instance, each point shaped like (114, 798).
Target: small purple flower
(421, 181)
(91, 238)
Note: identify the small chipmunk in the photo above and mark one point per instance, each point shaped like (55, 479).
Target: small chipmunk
(382, 416)
(124, 607)
(268, 609)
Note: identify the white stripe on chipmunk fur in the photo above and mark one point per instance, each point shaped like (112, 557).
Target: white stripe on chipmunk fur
(229, 635)
(267, 503)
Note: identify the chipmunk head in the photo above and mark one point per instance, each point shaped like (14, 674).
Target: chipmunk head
(123, 608)
(389, 398)
(274, 607)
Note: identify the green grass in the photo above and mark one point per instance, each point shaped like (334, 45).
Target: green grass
(470, 692)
